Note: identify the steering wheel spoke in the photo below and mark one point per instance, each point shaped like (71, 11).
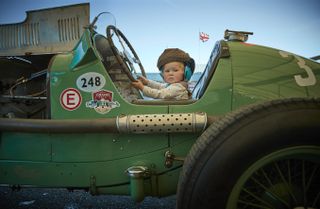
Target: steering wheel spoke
(127, 57)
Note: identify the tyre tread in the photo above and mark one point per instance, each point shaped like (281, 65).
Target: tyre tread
(207, 143)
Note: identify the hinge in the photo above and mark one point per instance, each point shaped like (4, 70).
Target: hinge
(170, 157)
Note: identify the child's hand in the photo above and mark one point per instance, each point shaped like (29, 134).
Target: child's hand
(143, 80)
(137, 84)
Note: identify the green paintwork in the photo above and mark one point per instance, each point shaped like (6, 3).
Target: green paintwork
(98, 161)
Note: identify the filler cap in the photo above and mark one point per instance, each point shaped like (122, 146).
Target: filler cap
(232, 35)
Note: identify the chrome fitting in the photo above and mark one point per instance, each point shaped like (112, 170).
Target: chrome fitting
(136, 174)
(162, 123)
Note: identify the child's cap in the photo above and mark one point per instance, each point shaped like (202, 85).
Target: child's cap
(175, 55)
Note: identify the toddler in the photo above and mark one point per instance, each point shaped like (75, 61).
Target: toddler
(176, 68)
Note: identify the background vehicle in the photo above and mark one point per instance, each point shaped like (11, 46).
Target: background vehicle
(248, 138)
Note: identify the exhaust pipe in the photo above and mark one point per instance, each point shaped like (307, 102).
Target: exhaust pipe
(135, 124)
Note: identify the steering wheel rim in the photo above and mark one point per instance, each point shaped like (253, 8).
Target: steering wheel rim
(124, 60)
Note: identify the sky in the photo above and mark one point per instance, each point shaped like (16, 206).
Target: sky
(154, 25)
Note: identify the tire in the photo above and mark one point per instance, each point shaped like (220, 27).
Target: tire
(262, 156)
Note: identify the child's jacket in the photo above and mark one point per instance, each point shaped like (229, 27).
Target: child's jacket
(175, 91)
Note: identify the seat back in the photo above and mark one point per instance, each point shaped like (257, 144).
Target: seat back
(108, 59)
(102, 45)
(220, 50)
(114, 69)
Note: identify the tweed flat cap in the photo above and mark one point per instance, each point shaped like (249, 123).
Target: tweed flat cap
(175, 55)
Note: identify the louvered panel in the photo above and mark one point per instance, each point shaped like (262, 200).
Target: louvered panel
(19, 35)
(52, 30)
(69, 29)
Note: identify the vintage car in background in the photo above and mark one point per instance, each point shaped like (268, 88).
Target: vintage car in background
(69, 118)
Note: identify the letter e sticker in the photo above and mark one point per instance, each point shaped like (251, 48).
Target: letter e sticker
(70, 99)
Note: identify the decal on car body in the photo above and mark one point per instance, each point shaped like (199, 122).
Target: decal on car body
(308, 80)
(102, 101)
(70, 99)
(90, 82)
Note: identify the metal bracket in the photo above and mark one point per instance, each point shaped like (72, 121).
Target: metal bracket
(93, 187)
(232, 35)
(170, 157)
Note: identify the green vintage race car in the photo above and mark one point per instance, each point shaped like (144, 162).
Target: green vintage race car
(248, 138)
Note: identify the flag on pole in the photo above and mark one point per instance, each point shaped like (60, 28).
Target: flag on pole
(203, 37)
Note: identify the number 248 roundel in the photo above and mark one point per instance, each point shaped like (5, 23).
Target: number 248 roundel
(90, 82)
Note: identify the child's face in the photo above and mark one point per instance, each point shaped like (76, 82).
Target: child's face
(173, 72)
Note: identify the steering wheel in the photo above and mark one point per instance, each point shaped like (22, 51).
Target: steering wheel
(124, 56)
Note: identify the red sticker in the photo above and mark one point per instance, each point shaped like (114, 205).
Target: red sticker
(70, 99)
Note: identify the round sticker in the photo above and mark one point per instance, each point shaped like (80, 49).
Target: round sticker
(70, 99)
(90, 82)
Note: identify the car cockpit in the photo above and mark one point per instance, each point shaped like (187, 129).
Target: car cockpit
(120, 67)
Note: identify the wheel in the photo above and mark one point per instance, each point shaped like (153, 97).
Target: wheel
(263, 156)
(124, 57)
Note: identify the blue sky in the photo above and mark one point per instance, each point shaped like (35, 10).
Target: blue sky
(153, 25)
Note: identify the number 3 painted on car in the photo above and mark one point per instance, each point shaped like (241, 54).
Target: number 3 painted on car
(306, 81)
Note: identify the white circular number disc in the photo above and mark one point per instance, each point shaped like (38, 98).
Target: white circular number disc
(90, 82)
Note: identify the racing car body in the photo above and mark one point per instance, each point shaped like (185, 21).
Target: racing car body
(249, 135)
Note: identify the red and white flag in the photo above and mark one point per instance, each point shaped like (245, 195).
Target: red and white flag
(203, 37)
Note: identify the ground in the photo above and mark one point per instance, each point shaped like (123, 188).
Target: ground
(64, 199)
